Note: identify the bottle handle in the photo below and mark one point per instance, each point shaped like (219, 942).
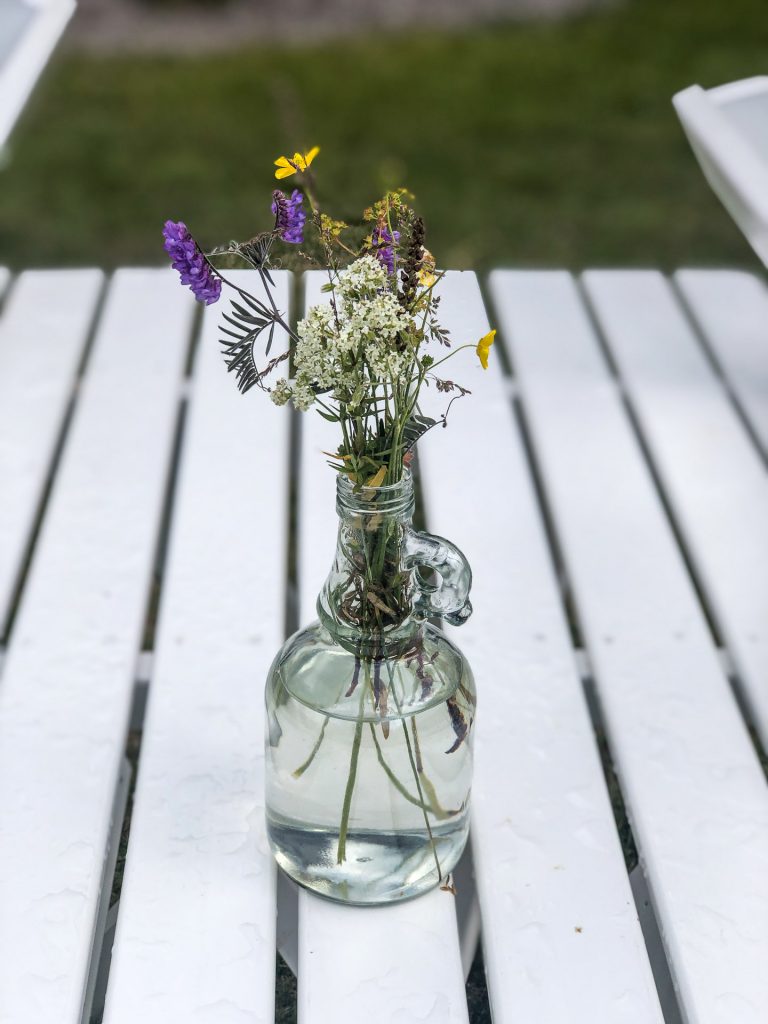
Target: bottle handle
(449, 598)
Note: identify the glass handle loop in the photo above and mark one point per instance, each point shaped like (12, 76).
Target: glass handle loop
(449, 598)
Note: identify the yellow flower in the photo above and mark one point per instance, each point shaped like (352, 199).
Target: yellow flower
(426, 275)
(484, 347)
(286, 167)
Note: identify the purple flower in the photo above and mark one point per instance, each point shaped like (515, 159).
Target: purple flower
(383, 243)
(289, 216)
(187, 258)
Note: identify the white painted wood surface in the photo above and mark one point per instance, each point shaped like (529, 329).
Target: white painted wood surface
(29, 56)
(196, 923)
(68, 681)
(711, 472)
(384, 964)
(196, 930)
(561, 937)
(43, 330)
(730, 309)
(696, 796)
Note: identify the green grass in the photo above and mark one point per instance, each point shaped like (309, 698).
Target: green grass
(550, 144)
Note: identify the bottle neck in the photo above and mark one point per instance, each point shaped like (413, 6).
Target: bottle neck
(367, 601)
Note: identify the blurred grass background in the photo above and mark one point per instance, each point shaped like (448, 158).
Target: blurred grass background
(542, 144)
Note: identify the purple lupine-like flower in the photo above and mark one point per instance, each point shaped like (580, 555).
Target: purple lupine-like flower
(383, 242)
(289, 216)
(187, 257)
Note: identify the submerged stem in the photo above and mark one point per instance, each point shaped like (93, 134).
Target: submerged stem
(415, 773)
(302, 768)
(433, 806)
(344, 826)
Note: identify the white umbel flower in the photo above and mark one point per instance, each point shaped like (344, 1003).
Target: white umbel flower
(281, 391)
(367, 340)
(362, 279)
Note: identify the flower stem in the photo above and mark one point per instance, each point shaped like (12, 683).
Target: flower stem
(354, 757)
(415, 773)
(302, 768)
(433, 807)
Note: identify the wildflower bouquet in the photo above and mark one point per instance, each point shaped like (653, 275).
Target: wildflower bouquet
(370, 708)
(361, 359)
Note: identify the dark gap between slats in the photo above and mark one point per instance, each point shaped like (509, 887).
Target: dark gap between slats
(738, 693)
(169, 497)
(709, 614)
(478, 1003)
(7, 628)
(296, 301)
(613, 367)
(499, 351)
(553, 543)
(646, 913)
(101, 954)
(621, 817)
(476, 989)
(5, 295)
(164, 529)
(712, 358)
(194, 344)
(286, 1009)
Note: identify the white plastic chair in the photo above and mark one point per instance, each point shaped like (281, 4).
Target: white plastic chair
(29, 30)
(728, 130)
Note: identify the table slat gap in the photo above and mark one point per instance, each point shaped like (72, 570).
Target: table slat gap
(624, 396)
(711, 477)
(550, 870)
(195, 936)
(46, 332)
(581, 654)
(729, 312)
(68, 681)
(417, 970)
(728, 382)
(676, 733)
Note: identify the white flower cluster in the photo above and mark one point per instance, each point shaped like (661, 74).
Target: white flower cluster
(362, 279)
(368, 337)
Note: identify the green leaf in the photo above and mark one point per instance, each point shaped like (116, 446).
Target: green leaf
(415, 428)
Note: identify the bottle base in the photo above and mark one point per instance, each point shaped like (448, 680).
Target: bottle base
(377, 868)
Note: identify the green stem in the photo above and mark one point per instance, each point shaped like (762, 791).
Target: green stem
(302, 768)
(344, 826)
(415, 773)
(433, 807)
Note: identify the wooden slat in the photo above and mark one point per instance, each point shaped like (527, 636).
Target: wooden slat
(709, 468)
(383, 964)
(68, 680)
(696, 796)
(562, 943)
(730, 309)
(196, 930)
(42, 333)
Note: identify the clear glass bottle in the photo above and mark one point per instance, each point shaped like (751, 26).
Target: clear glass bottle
(370, 712)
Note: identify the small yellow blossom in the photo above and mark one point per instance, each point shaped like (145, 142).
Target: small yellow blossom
(426, 275)
(287, 166)
(484, 347)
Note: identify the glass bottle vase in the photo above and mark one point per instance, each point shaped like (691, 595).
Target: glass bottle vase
(370, 712)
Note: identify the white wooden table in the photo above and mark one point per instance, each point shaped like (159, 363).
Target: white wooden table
(611, 493)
